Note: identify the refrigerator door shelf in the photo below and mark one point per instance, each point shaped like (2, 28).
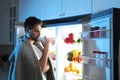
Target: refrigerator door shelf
(96, 61)
(100, 34)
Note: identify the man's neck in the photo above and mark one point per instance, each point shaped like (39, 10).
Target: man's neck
(31, 41)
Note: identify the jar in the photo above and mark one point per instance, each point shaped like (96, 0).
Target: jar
(96, 32)
(103, 32)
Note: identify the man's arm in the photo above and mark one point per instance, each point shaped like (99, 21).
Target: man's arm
(44, 59)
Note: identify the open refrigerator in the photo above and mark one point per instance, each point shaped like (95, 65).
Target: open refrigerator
(88, 47)
(84, 52)
(84, 48)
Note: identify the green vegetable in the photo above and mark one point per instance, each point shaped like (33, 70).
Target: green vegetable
(70, 54)
(69, 58)
(79, 41)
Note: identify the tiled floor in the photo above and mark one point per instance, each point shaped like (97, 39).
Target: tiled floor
(4, 71)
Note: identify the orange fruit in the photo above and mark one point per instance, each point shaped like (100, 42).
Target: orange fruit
(73, 69)
(77, 71)
(66, 69)
(70, 65)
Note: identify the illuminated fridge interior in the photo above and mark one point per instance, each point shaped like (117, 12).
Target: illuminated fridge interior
(69, 51)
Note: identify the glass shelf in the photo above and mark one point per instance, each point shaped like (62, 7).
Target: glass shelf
(72, 76)
(72, 73)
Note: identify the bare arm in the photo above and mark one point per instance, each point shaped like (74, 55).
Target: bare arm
(44, 59)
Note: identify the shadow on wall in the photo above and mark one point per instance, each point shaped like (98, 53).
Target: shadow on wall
(5, 51)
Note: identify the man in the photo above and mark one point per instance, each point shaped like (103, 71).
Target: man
(29, 60)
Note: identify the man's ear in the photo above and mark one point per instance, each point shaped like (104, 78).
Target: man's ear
(27, 30)
(27, 34)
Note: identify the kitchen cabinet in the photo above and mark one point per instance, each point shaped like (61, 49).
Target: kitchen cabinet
(28, 8)
(76, 7)
(63, 8)
(100, 5)
(50, 9)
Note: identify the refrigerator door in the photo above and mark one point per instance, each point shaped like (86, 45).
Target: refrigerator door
(96, 49)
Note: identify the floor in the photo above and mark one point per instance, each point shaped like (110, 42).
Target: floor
(4, 68)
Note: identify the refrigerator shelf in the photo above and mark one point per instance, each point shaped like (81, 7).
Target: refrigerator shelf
(71, 73)
(97, 61)
(72, 76)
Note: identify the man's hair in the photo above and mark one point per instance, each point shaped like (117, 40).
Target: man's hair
(30, 22)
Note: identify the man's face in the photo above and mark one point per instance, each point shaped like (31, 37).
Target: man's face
(35, 32)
